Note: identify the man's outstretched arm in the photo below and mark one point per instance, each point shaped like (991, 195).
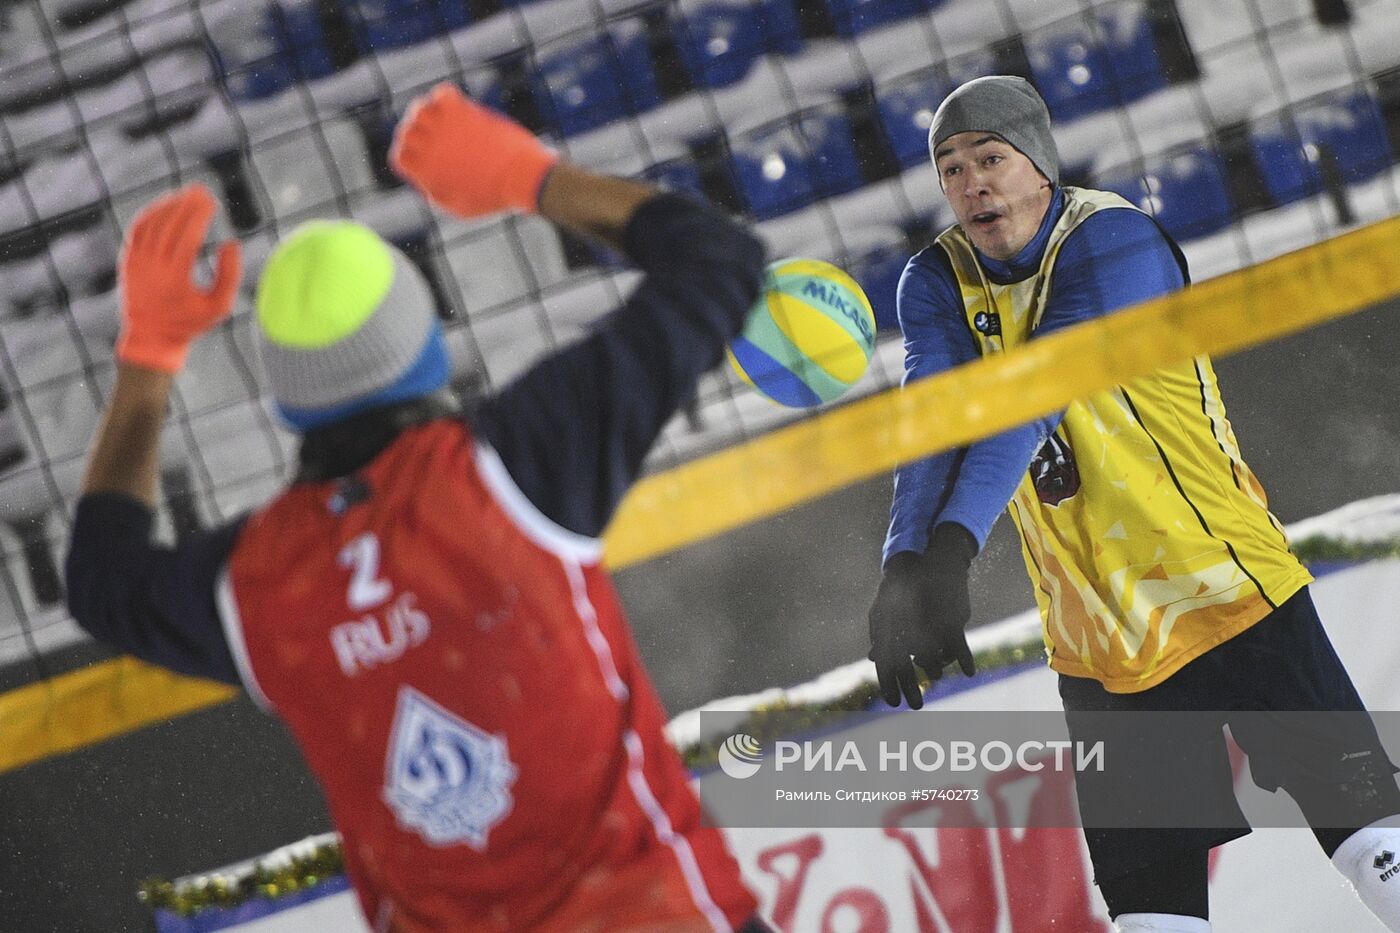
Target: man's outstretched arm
(153, 602)
(573, 431)
(124, 459)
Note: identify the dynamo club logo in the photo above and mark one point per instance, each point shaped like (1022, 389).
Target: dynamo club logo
(740, 756)
(445, 779)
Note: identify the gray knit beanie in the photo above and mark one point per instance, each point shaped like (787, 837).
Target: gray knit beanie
(1007, 106)
(345, 322)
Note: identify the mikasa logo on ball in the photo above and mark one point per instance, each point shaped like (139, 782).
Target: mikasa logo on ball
(822, 292)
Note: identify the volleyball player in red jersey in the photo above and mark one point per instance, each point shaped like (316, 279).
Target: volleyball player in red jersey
(424, 605)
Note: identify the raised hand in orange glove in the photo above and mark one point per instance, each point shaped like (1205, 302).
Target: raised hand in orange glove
(163, 311)
(468, 159)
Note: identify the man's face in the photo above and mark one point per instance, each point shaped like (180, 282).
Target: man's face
(996, 192)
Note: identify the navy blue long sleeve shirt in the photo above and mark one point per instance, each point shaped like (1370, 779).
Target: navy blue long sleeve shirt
(572, 432)
(1114, 259)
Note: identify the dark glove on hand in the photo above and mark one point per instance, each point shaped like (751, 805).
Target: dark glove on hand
(921, 611)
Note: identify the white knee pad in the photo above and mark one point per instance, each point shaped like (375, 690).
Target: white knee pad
(1160, 923)
(1370, 860)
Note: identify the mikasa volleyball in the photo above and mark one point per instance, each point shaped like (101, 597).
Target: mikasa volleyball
(809, 337)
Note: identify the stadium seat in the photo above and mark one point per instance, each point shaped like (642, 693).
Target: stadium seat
(681, 175)
(576, 306)
(52, 363)
(178, 501)
(125, 204)
(906, 112)
(1079, 69)
(1211, 25)
(182, 77)
(70, 264)
(878, 272)
(795, 162)
(31, 561)
(1171, 117)
(380, 25)
(221, 369)
(271, 48)
(1375, 34)
(37, 483)
(1183, 188)
(720, 39)
(21, 29)
(62, 419)
(296, 175)
(487, 264)
(514, 337)
(1341, 133)
(1376, 199)
(852, 17)
(49, 186)
(302, 38)
(12, 452)
(239, 456)
(510, 341)
(583, 84)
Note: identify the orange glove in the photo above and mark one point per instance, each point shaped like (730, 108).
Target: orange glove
(468, 159)
(162, 309)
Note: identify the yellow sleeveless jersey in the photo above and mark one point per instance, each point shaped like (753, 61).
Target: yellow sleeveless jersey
(1147, 538)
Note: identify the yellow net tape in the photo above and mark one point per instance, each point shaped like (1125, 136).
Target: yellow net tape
(75, 710)
(803, 462)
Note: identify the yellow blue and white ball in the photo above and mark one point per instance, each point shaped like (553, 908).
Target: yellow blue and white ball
(809, 337)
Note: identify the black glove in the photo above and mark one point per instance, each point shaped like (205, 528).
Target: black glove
(921, 611)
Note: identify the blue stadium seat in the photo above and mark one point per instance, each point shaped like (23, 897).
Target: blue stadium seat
(853, 17)
(681, 175)
(492, 94)
(296, 175)
(303, 39)
(1080, 70)
(907, 103)
(906, 112)
(390, 24)
(720, 39)
(1345, 129)
(1184, 189)
(272, 48)
(587, 83)
(791, 164)
(878, 273)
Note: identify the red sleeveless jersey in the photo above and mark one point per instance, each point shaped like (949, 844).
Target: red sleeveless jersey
(459, 675)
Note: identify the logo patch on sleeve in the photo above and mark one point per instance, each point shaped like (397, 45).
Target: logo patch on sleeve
(445, 779)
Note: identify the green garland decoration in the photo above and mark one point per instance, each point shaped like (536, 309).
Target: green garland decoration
(271, 877)
(284, 873)
(1318, 549)
(767, 722)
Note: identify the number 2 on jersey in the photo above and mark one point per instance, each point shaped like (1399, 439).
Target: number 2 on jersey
(367, 588)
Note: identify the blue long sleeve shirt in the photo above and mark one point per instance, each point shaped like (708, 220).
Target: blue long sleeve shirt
(1114, 259)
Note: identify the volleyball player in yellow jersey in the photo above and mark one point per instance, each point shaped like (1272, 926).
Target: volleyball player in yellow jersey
(1164, 582)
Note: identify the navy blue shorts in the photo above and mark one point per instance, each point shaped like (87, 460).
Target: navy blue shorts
(1333, 766)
